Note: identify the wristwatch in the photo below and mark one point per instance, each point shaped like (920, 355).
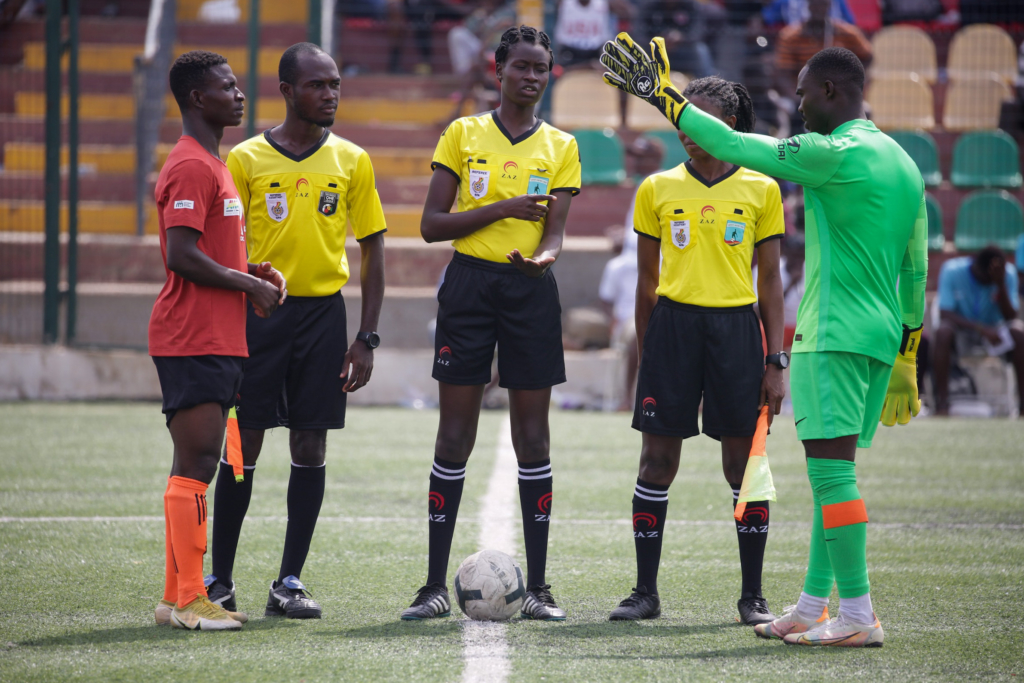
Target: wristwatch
(781, 360)
(371, 339)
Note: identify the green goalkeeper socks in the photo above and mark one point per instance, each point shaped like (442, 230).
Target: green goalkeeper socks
(820, 578)
(843, 526)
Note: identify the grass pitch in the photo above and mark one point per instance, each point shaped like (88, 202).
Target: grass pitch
(945, 548)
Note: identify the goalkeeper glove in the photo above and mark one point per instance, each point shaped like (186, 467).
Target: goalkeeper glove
(645, 76)
(901, 401)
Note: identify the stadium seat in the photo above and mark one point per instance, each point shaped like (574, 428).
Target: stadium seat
(580, 99)
(936, 238)
(900, 51)
(988, 158)
(921, 148)
(675, 153)
(989, 217)
(640, 115)
(974, 105)
(901, 104)
(981, 51)
(602, 155)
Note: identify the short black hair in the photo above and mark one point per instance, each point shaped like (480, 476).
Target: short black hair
(288, 67)
(189, 71)
(988, 254)
(839, 65)
(733, 98)
(522, 34)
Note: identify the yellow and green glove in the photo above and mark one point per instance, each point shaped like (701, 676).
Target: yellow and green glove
(645, 76)
(901, 400)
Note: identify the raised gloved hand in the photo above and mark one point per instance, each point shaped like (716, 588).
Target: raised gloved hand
(901, 399)
(645, 76)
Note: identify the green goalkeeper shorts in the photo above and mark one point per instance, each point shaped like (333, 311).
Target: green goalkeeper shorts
(837, 394)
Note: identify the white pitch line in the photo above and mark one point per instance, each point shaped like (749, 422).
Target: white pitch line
(919, 526)
(483, 643)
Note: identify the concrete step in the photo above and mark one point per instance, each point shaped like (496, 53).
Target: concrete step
(269, 112)
(120, 159)
(409, 262)
(400, 377)
(14, 128)
(119, 218)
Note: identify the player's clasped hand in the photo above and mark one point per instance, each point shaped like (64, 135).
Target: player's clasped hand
(532, 267)
(358, 366)
(527, 207)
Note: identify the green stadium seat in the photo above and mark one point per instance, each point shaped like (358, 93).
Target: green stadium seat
(922, 149)
(602, 155)
(986, 158)
(936, 238)
(989, 217)
(675, 153)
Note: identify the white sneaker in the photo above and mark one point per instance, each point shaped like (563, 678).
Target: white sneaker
(789, 623)
(840, 632)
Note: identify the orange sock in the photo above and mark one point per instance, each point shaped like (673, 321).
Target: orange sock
(170, 572)
(186, 512)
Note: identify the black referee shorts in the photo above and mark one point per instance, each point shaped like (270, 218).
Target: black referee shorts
(482, 303)
(293, 373)
(189, 381)
(693, 352)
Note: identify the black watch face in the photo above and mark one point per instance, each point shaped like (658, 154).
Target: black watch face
(372, 340)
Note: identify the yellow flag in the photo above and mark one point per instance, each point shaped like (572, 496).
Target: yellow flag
(757, 477)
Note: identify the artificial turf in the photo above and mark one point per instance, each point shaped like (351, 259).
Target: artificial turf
(945, 549)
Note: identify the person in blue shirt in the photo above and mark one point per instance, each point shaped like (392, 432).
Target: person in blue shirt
(977, 295)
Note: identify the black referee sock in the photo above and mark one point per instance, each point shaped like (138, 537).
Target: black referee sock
(535, 501)
(305, 496)
(446, 482)
(752, 534)
(650, 507)
(230, 503)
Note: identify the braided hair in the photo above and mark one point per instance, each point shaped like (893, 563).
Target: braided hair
(733, 98)
(522, 34)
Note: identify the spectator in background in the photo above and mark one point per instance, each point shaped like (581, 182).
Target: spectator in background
(618, 283)
(1019, 259)
(420, 16)
(470, 44)
(783, 12)
(681, 23)
(978, 304)
(799, 42)
(583, 28)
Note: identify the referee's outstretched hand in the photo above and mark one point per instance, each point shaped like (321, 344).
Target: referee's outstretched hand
(358, 366)
(527, 207)
(532, 267)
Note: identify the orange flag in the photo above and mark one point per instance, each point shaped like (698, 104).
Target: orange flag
(757, 477)
(235, 446)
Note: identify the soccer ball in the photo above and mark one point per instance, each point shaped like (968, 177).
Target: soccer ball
(489, 586)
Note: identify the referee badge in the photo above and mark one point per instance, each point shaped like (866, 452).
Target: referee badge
(478, 182)
(537, 185)
(328, 204)
(681, 233)
(734, 232)
(277, 205)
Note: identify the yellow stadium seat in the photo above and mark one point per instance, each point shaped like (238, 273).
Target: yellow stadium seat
(640, 115)
(582, 100)
(980, 52)
(900, 51)
(901, 104)
(973, 105)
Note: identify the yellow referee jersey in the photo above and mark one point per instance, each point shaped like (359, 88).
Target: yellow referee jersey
(491, 166)
(708, 232)
(297, 208)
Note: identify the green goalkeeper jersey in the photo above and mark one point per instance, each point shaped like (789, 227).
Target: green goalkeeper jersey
(866, 229)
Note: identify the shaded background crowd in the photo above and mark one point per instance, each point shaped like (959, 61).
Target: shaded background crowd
(944, 80)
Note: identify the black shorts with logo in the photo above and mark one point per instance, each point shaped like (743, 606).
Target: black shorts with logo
(296, 357)
(693, 352)
(482, 303)
(189, 381)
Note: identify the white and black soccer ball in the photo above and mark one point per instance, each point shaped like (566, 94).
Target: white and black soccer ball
(489, 586)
